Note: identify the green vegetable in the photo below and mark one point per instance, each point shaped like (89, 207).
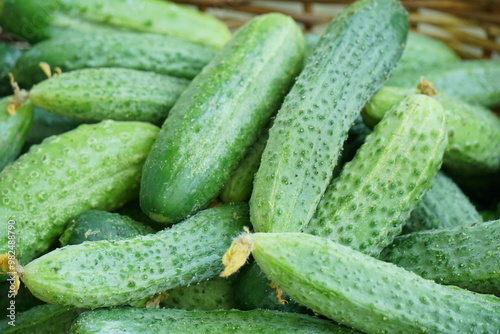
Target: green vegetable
(8, 57)
(219, 116)
(348, 66)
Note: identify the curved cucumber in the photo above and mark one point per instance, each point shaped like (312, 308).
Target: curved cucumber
(13, 129)
(96, 94)
(368, 294)
(92, 167)
(94, 225)
(473, 131)
(443, 206)
(348, 66)
(146, 52)
(163, 321)
(219, 116)
(368, 203)
(128, 272)
(465, 256)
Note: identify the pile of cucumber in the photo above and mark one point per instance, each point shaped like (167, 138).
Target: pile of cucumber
(162, 174)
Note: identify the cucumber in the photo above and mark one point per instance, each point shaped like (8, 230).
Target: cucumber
(473, 131)
(358, 290)
(219, 116)
(92, 167)
(96, 94)
(348, 66)
(368, 203)
(32, 19)
(444, 206)
(128, 272)
(465, 256)
(8, 57)
(146, 52)
(139, 320)
(94, 225)
(41, 319)
(473, 81)
(14, 129)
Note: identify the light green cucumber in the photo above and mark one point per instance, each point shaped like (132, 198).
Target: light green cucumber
(370, 295)
(219, 116)
(130, 271)
(41, 319)
(146, 52)
(444, 206)
(94, 225)
(13, 129)
(473, 81)
(33, 19)
(349, 64)
(121, 94)
(465, 256)
(92, 167)
(473, 131)
(163, 321)
(366, 206)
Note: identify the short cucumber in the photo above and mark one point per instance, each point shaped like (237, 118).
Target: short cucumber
(465, 256)
(94, 225)
(146, 52)
(473, 131)
(163, 321)
(128, 272)
(92, 167)
(96, 94)
(13, 129)
(370, 295)
(368, 203)
(444, 206)
(219, 116)
(349, 64)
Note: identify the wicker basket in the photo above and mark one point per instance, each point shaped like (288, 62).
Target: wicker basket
(471, 27)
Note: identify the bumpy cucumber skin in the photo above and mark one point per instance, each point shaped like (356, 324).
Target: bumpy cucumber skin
(14, 129)
(368, 294)
(139, 320)
(465, 256)
(42, 319)
(444, 206)
(128, 272)
(368, 203)
(348, 66)
(94, 225)
(122, 94)
(219, 116)
(92, 167)
(473, 81)
(146, 52)
(473, 131)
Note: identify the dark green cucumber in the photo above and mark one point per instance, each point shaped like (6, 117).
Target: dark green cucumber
(32, 19)
(146, 52)
(465, 256)
(96, 94)
(163, 321)
(349, 64)
(366, 206)
(94, 225)
(128, 272)
(13, 129)
(368, 294)
(92, 167)
(41, 319)
(219, 116)
(444, 206)
(8, 57)
(473, 81)
(473, 131)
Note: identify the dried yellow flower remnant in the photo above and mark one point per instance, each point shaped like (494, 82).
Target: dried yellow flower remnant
(48, 72)
(237, 254)
(10, 266)
(279, 294)
(20, 96)
(155, 301)
(426, 87)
